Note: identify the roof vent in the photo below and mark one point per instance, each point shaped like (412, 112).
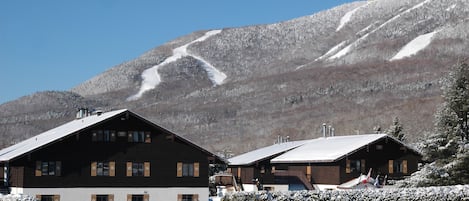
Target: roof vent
(327, 130)
(98, 112)
(324, 129)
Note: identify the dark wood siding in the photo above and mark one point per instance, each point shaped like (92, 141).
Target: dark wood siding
(2, 174)
(76, 154)
(16, 176)
(247, 175)
(325, 174)
(376, 157)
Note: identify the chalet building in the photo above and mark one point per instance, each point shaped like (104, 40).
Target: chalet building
(256, 164)
(112, 156)
(326, 161)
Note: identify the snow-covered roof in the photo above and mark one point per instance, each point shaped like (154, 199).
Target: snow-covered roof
(54, 134)
(266, 152)
(328, 149)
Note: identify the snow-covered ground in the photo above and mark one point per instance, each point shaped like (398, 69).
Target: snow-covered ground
(459, 192)
(16, 198)
(346, 18)
(414, 46)
(151, 78)
(332, 50)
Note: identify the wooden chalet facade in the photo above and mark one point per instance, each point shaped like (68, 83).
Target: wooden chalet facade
(331, 161)
(111, 156)
(256, 164)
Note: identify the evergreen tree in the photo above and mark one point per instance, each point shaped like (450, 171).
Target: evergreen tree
(395, 129)
(451, 119)
(447, 145)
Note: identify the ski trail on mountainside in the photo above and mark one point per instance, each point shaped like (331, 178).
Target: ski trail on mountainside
(347, 49)
(414, 46)
(151, 78)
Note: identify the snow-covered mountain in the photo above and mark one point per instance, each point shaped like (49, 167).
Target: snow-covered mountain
(356, 66)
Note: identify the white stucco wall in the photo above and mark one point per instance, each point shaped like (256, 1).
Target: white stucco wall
(120, 194)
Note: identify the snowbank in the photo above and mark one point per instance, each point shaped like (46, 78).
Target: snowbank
(16, 198)
(460, 192)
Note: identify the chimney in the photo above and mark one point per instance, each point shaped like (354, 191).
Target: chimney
(82, 112)
(324, 127)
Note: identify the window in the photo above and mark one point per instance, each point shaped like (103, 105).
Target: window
(109, 197)
(48, 197)
(144, 197)
(102, 198)
(138, 169)
(48, 168)
(398, 166)
(137, 197)
(139, 136)
(187, 169)
(101, 168)
(355, 166)
(103, 136)
(187, 197)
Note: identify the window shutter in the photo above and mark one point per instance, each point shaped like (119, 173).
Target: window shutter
(93, 197)
(390, 166)
(129, 169)
(146, 197)
(363, 166)
(179, 170)
(110, 197)
(58, 168)
(147, 137)
(146, 170)
(93, 169)
(195, 197)
(196, 169)
(239, 171)
(38, 171)
(308, 172)
(129, 197)
(179, 197)
(404, 166)
(347, 166)
(56, 197)
(112, 168)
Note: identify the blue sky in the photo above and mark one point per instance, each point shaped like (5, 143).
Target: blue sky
(58, 44)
